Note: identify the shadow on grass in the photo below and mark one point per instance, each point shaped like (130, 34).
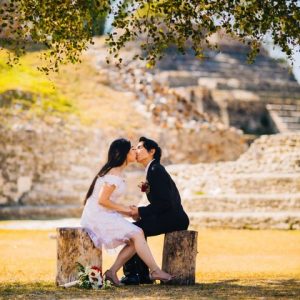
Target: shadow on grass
(229, 289)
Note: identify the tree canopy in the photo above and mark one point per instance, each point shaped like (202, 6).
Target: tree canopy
(67, 27)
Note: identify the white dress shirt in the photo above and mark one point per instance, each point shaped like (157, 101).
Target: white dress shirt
(147, 167)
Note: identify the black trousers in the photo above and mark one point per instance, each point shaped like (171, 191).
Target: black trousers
(152, 226)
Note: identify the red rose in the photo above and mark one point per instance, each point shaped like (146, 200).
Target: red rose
(145, 187)
(96, 268)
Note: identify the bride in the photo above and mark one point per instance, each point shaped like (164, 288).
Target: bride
(103, 216)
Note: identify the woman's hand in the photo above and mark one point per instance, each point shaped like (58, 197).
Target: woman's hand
(126, 211)
(104, 199)
(135, 213)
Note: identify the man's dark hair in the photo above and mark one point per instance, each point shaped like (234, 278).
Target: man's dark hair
(150, 144)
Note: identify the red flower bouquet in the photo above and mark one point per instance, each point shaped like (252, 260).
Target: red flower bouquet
(90, 277)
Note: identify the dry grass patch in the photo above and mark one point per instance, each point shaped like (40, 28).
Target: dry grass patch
(99, 103)
(231, 264)
(231, 289)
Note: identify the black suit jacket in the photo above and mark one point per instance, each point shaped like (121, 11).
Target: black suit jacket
(165, 212)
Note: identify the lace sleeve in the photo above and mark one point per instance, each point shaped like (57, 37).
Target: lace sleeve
(112, 180)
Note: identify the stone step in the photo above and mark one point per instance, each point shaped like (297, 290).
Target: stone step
(245, 183)
(292, 127)
(291, 119)
(279, 107)
(53, 197)
(245, 220)
(280, 97)
(248, 71)
(244, 202)
(287, 151)
(41, 212)
(263, 89)
(293, 124)
(261, 183)
(225, 71)
(289, 113)
(252, 170)
(276, 161)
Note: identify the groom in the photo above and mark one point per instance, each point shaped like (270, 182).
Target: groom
(163, 214)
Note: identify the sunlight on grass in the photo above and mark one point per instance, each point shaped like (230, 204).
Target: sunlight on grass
(30, 255)
(26, 78)
(78, 89)
(231, 264)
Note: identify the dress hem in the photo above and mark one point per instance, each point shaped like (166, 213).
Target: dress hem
(114, 243)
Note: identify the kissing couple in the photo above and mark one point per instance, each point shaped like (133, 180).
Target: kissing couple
(104, 214)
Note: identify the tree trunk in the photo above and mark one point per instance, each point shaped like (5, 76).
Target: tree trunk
(74, 245)
(179, 256)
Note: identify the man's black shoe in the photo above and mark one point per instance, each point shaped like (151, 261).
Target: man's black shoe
(146, 280)
(130, 279)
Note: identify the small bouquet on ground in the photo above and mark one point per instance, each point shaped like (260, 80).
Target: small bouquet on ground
(89, 278)
(145, 187)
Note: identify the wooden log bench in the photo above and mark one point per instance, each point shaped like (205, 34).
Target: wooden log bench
(74, 245)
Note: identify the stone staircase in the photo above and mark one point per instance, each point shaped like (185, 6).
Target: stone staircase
(241, 89)
(260, 190)
(248, 202)
(285, 116)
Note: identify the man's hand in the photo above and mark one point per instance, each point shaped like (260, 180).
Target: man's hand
(134, 213)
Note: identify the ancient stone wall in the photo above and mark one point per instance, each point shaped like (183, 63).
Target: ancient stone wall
(225, 86)
(176, 120)
(259, 190)
(189, 107)
(46, 163)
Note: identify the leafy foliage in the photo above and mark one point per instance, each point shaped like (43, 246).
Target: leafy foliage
(66, 26)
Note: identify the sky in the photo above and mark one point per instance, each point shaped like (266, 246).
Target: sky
(296, 66)
(275, 52)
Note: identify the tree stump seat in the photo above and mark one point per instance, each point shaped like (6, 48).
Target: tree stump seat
(179, 256)
(74, 245)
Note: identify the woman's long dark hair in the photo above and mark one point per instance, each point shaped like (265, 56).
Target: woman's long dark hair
(117, 155)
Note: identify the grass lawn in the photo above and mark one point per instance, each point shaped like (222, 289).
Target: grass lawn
(231, 264)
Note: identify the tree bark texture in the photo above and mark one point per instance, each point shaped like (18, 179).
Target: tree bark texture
(74, 245)
(179, 256)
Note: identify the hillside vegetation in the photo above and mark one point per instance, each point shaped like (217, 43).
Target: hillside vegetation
(79, 90)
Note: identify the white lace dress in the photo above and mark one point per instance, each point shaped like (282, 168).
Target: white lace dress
(106, 227)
